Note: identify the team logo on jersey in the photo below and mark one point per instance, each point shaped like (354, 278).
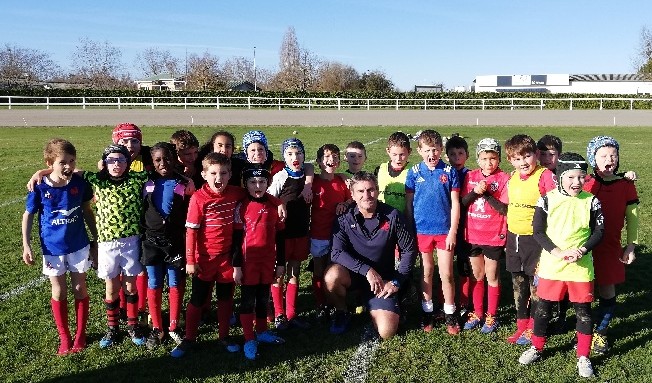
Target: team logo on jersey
(385, 226)
(74, 190)
(420, 179)
(479, 205)
(66, 213)
(443, 178)
(493, 187)
(47, 195)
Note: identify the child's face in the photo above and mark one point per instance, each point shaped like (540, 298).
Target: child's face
(398, 156)
(329, 162)
(116, 164)
(549, 158)
(133, 145)
(430, 154)
(63, 166)
(217, 177)
(606, 160)
(355, 159)
(224, 145)
(162, 160)
(256, 153)
(572, 181)
(257, 186)
(488, 162)
(293, 157)
(188, 156)
(524, 163)
(457, 157)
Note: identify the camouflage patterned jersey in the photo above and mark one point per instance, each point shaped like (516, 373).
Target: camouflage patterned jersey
(119, 204)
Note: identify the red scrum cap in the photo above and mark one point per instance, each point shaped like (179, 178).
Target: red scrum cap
(126, 130)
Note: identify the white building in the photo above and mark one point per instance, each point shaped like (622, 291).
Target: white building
(565, 83)
(162, 82)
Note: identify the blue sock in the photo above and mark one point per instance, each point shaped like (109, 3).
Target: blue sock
(606, 313)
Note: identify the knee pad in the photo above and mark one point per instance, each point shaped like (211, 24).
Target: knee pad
(584, 320)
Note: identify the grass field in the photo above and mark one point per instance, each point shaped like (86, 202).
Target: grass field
(28, 338)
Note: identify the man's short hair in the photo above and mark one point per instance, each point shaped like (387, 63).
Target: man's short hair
(56, 147)
(363, 176)
(184, 139)
(430, 137)
(519, 145)
(215, 159)
(398, 139)
(548, 142)
(457, 142)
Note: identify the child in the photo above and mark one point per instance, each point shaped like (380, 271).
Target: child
(549, 147)
(221, 142)
(457, 151)
(619, 201)
(485, 196)
(62, 202)
(330, 196)
(164, 241)
(355, 156)
(567, 223)
(527, 183)
(258, 259)
(433, 209)
(187, 147)
(391, 176)
(287, 184)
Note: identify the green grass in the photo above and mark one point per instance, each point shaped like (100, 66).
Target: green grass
(28, 339)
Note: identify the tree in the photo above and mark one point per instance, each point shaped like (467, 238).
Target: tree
(238, 69)
(298, 66)
(643, 60)
(154, 62)
(204, 72)
(376, 81)
(335, 76)
(98, 64)
(20, 65)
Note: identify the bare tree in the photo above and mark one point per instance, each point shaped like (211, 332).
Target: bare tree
(335, 76)
(298, 66)
(20, 65)
(238, 69)
(643, 60)
(154, 62)
(204, 72)
(98, 64)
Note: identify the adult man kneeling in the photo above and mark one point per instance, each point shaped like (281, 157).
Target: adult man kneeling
(363, 254)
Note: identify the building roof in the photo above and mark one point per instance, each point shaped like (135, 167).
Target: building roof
(609, 77)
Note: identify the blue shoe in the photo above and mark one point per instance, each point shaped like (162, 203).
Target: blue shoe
(230, 346)
(181, 350)
(472, 322)
(490, 325)
(136, 335)
(340, 322)
(251, 349)
(269, 338)
(109, 338)
(525, 339)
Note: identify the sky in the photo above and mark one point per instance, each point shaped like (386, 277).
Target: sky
(413, 42)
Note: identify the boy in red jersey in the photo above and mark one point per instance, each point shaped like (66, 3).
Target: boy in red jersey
(258, 258)
(619, 201)
(528, 182)
(330, 194)
(485, 195)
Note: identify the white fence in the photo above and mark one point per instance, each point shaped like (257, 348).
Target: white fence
(323, 103)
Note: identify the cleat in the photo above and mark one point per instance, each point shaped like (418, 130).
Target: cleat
(281, 322)
(599, 344)
(183, 347)
(136, 335)
(341, 321)
(452, 327)
(251, 349)
(584, 367)
(269, 337)
(490, 324)
(529, 356)
(109, 338)
(154, 339)
(427, 321)
(473, 321)
(176, 335)
(230, 345)
(525, 339)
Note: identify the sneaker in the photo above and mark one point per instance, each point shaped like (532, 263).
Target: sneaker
(182, 348)
(341, 322)
(439, 315)
(473, 321)
(109, 338)
(269, 338)
(490, 324)
(515, 336)
(525, 339)
(427, 321)
(452, 326)
(529, 356)
(281, 322)
(230, 345)
(584, 367)
(299, 323)
(251, 349)
(136, 335)
(176, 335)
(599, 344)
(154, 339)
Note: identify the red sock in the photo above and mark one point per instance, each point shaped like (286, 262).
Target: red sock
(539, 342)
(277, 298)
(465, 286)
(493, 298)
(193, 315)
(261, 325)
(224, 312)
(60, 314)
(318, 290)
(175, 295)
(478, 297)
(112, 312)
(247, 321)
(583, 344)
(132, 309)
(141, 287)
(81, 313)
(291, 300)
(122, 296)
(530, 323)
(155, 298)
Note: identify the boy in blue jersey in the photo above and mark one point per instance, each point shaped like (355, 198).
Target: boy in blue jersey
(62, 201)
(433, 209)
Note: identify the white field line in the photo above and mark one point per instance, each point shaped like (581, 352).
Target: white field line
(21, 289)
(358, 367)
(374, 141)
(11, 202)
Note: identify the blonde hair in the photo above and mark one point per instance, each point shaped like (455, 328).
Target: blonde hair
(56, 147)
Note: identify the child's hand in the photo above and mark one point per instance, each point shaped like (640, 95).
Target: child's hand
(192, 270)
(307, 192)
(28, 258)
(629, 255)
(450, 241)
(341, 208)
(100, 165)
(571, 255)
(237, 275)
(280, 271)
(282, 212)
(480, 188)
(35, 180)
(630, 175)
(348, 183)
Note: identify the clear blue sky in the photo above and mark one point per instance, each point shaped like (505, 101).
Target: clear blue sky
(413, 42)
